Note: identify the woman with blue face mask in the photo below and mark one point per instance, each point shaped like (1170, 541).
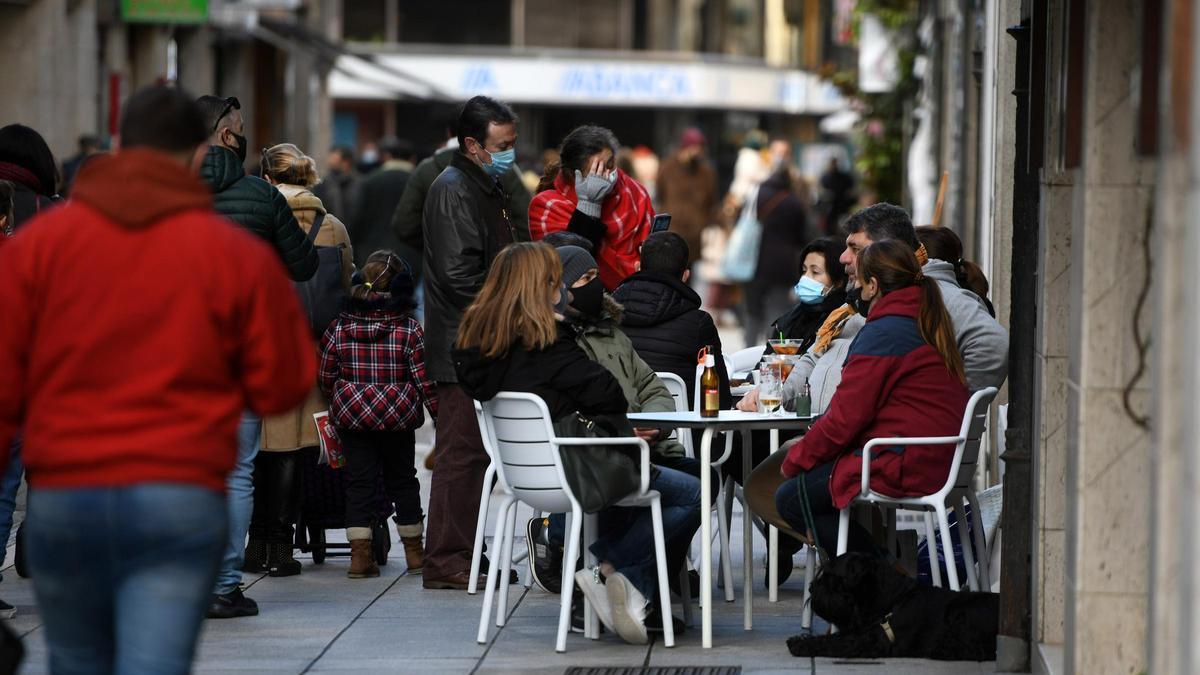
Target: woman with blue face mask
(820, 290)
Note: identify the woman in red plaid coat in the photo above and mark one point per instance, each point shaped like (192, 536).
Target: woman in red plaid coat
(373, 374)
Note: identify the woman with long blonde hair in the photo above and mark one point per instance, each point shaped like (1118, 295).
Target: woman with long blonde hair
(512, 338)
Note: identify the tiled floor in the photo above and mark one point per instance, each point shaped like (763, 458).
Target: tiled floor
(322, 621)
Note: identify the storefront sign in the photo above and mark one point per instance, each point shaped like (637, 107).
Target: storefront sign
(539, 79)
(164, 11)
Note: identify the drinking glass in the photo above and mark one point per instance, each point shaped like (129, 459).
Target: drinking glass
(770, 390)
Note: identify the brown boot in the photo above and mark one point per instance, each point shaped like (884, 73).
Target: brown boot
(430, 459)
(362, 560)
(414, 548)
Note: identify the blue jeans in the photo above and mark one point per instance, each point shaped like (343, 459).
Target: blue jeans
(9, 485)
(124, 574)
(824, 514)
(626, 537)
(239, 496)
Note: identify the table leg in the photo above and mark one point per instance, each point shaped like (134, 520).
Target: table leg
(706, 539)
(747, 537)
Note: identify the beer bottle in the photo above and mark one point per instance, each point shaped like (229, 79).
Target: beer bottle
(710, 388)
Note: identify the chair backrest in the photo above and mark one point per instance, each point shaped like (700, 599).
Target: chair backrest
(974, 427)
(678, 391)
(521, 438)
(746, 359)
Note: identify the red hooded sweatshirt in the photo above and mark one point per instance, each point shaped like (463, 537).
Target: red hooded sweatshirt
(893, 384)
(137, 326)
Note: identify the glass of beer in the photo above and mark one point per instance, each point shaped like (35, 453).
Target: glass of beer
(770, 390)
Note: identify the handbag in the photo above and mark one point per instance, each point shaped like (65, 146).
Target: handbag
(599, 475)
(741, 254)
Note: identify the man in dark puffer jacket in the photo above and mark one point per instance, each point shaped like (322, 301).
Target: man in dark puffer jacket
(246, 200)
(663, 316)
(260, 208)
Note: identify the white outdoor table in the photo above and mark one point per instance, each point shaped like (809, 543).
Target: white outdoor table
(727, 420)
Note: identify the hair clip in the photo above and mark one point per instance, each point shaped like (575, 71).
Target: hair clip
(368, 285)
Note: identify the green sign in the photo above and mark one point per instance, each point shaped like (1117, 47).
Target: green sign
(164, 11)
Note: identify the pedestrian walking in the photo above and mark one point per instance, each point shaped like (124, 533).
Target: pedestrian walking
(186, 320)
(27, 163)
(338, 189)
(276, 470)
(687, 189)
(373, 372)
(378, 195)
(258, 207)
(785, 230)
(587, 195)
(465, 224)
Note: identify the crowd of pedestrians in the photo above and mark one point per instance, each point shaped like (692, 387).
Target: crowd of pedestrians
(173, 327)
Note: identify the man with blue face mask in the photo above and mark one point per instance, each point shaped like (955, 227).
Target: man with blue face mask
(465, 224)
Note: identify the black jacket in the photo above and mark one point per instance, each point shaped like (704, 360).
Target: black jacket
(465, 224)
(257, 206)
(27, 204)
(785, 231)
(802, 321)
(562, 374)
(371, 228)
(407, 218)
(664, 321)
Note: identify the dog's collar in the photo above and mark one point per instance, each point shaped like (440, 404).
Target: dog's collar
(886, 625)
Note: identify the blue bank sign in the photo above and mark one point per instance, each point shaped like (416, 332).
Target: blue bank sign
(603, 81)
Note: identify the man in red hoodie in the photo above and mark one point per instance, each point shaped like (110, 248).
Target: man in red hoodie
(138, 326)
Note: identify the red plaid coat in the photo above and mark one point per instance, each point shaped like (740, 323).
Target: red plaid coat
(373, 371)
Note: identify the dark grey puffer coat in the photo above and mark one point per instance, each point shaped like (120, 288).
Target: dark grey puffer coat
(257, 206)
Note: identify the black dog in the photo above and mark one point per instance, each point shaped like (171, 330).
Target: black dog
(880, 612)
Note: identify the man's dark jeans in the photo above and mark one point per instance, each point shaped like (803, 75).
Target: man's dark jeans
(824, 513)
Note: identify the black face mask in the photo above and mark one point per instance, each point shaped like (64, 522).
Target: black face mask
(589, 299)
(564, 299)
(854, 298)
(240, 151)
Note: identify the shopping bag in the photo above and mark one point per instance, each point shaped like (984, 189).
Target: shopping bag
(741, 253)
(331, 445)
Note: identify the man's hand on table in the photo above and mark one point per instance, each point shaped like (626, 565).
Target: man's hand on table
(648, 435)
(749, 402)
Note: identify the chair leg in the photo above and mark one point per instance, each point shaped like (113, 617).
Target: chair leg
(485, 499)
(772, 563)
(493, 576)
(723, 518)
(591, 622)
(964, 538)
(931, 547)
(574, 527)
(660, 557)
(810, 563)
(843, 541)
(981, 549)
(685, 594)
(947, 547)
(505, 553)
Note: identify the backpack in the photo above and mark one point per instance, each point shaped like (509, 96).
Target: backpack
(321, 296)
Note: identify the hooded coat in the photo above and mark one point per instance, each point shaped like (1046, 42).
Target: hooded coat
(664, 321)
(295, 428)
(139, 325)
(606, 344)
(893, 384)
(257, 206)
(373, 368)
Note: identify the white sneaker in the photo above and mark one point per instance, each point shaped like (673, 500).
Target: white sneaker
(628, 608)
(589, 582)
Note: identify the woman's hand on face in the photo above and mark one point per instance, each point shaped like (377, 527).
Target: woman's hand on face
(749, 402)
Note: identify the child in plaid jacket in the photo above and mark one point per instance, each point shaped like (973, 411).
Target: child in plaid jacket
(373, 374)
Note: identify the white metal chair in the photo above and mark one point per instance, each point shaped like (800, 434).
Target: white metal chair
(528, 462)
(959, 486)
(485, 501)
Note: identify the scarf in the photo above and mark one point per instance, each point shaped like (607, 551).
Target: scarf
(626, 214)
(836, 321)
(19, 174)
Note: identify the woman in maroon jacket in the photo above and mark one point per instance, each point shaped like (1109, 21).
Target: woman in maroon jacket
(903, 377)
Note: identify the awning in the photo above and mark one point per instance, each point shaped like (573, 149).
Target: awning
(581, 78)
